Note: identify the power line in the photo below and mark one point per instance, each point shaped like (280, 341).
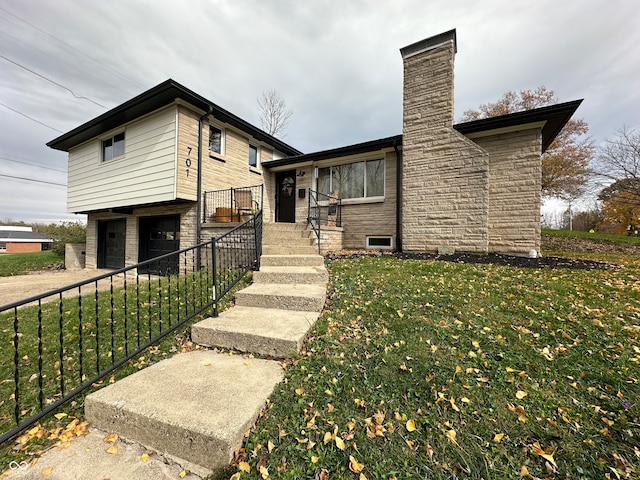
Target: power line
(30, 118)
(97, 62)
(52, 81)
(32, 164)
(33, 180)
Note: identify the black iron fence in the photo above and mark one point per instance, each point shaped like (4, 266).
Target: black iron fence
(232, 204)
(56, 345)
(323, 210)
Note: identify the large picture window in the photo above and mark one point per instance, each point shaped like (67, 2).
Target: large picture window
(353, 180)
(113, 147)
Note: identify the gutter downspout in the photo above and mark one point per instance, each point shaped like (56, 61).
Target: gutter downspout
(398, 197)
(199, 183)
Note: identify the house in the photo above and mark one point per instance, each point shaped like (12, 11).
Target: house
(15, 239)
(438, 186)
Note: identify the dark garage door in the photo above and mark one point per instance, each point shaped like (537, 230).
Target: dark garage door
(159, 236)
(111, 243)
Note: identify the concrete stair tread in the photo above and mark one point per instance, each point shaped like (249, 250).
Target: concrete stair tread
(285, 289)
(194, 406)
(265, 331)
(293, 269)
(308, 259)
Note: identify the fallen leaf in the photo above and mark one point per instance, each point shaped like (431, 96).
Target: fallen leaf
(537, 449)
(354, 465)
(270, 446)
(498, 437)
(111, 438)
(144, 457)
(47, 471)
(182, 474)
(264, 472)
(340, 444)
(520, 394)
(60, 415)
(112, 449)
(411, 425)
(299, 391)
(244, 467)
(451, 435)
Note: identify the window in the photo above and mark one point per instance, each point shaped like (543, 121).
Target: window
(113, 147)
(253, 156)
(353, 180)
(380, 243)
(215, 140)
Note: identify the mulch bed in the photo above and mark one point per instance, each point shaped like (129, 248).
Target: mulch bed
(491, 258)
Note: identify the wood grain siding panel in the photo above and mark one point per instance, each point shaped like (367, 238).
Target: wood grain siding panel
(146, 173)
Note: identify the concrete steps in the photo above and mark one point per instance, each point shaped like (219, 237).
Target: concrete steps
(263, 331)
(196, 407)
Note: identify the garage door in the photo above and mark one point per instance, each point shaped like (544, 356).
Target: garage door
(159, 236)
(111, 243)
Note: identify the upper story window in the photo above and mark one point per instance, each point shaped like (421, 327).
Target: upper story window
(353, 180)
(216, 140)
(113, 147)
(253, 156)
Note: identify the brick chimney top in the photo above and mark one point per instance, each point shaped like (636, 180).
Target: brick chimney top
(430, 43)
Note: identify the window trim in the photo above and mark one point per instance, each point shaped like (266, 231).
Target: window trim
(365, 198)
(111, 138)
(257, 149)
(368, 245)
(223, 142)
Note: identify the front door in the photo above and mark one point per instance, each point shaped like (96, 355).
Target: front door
(286, 196)
(111, 243)
(158, 236)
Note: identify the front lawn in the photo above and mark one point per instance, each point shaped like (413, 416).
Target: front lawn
(23, 263)
(431, 369)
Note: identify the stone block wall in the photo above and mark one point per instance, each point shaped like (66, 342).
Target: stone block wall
(445, 176)
(515, 175)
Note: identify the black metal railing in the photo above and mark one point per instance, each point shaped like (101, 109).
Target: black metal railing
(323, 210)
(236, 252)
(232, 204)
(56, 345)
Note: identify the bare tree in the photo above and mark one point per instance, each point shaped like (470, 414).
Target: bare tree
(619, 157)
(274, 114)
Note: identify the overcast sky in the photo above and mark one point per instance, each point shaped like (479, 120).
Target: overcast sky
(336, 63)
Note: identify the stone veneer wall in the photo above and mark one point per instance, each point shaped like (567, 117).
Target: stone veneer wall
(515, 176)
(445, 175)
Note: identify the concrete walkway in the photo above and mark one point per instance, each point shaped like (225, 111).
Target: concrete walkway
(190, 413)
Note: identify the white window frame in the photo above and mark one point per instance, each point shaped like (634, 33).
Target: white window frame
(257, 147)
(379, 247)
(365, 199)
(223, 136)
(113, 142)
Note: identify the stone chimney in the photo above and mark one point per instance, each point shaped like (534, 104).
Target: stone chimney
(444, 174)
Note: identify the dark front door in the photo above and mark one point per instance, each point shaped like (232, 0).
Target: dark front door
(159, 236)
(111, 243)
(286, 196)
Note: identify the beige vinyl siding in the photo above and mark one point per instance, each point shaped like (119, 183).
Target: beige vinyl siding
(145, 174)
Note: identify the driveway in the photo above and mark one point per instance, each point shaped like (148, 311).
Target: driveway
(15, 288)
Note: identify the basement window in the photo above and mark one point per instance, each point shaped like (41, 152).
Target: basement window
(379, 243)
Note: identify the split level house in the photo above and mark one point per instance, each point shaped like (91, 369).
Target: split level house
(142, 172)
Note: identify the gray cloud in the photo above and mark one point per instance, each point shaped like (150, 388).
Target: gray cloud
(337, 65)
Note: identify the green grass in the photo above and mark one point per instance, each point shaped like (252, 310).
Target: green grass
(22, 263)
(104, 325)
(494, 366)
(598, 237)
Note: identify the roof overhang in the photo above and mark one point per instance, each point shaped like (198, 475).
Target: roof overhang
(157, 97)
(551, 119)
(356, 149)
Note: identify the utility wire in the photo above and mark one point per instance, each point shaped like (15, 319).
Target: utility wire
(30, 118)
(97, 62)
(32, 164)
(33, 180)
(51, 81)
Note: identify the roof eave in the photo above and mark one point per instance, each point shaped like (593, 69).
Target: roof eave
(157, 97)
(555, 117)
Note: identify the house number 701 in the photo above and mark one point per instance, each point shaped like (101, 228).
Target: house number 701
(187, 162)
